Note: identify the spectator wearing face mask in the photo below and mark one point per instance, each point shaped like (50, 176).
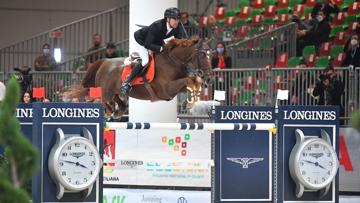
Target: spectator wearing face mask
(45, 62)
(352, 51)
(111, 51)
(328, 7)
(317, 35)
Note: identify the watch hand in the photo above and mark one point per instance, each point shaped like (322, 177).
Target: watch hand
(315, 163)
(76, 163)
(310, 162)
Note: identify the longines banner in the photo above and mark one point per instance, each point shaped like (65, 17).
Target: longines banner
(298, 125)
(349, 153)
(112, 195)
(244, 159)
(157, 157)
(71, 119)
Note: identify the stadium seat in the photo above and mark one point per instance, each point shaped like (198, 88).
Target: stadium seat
(349, 4)
(294, 61)
(230, 12)
(352, 27)
(354, 8)
(257, 19)
(283, 3)
(278, 83)
(339, 19)
(340, 38)
(310, 3)
(244, 13)
(282, 61)
(280, 11)
(339, 59)
(336, 49)
(269, 2)
(270, 11)
(250, 82)
(242, 32)
(325, 49)
(310, 60)
(339, 2)
(244, 3)
(299, 8)
(254, 12)
(322, 61)
(283, 19)
(294, 2)
(245, 97)
(335, 30)
(258, 4)
(219, 13)
(348, 21)
(230, 20)
(310, 49)
(203, 21)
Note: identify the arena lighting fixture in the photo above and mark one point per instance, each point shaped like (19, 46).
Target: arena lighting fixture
(57, 55)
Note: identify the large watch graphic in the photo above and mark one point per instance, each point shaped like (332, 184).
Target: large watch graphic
(313, 163)
(74, 163)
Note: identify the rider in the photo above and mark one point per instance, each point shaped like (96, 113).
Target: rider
(152, 38)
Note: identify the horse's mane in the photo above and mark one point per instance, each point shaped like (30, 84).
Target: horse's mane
(181, 43)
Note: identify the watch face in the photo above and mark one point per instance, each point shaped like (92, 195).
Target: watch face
(78, 163)
(317, 164)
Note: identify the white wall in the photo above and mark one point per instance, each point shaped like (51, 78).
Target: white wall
(21, 19)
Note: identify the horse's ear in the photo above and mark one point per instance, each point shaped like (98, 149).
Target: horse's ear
(195, 39)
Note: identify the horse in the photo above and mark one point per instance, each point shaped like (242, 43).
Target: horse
(182, 66)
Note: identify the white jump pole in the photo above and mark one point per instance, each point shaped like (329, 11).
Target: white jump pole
(192, 126)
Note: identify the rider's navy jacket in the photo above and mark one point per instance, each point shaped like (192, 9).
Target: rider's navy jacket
(152, 37)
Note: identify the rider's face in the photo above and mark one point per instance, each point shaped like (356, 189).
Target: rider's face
(173, 22)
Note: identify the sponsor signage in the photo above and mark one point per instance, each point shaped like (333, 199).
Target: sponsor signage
(311, 120)
(244, 159)
(71, 118)
(157, 157)
(114, 195)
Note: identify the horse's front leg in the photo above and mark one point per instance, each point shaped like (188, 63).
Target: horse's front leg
(176, 86)
(197, 89)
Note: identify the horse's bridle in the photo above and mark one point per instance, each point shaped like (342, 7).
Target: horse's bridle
(185, 64)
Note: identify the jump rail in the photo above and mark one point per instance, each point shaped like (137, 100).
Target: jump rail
(192, 126)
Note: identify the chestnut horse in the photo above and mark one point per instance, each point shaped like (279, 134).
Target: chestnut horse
(181, 67)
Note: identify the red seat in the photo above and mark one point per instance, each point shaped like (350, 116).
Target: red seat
(278, 82)
(242, 32)
(310, 60)
(325, 49)
(250, 83)
(283, 3)
(219, 13)
(354, 8)
(257, 19)
(338, 60)
(230, 20)
(310, 3)
(352, 28)
(299, 8)
(258, 4)
(270, 11)
(282, 61)
(203, 20)
(283, 19)
(340, 38)
(244, 12)
(307, 16)
(339, 19)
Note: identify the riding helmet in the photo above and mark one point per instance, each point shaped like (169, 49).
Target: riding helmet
(172, 13)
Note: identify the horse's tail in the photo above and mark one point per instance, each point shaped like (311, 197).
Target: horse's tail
(77, 91)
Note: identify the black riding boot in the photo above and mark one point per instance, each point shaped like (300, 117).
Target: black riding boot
(126, 86)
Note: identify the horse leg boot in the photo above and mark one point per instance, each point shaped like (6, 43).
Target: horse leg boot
(126, 86)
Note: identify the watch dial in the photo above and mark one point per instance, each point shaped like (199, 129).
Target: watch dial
(317, 163)
(78, 163)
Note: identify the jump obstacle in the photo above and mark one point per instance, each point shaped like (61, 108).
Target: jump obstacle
(192, 126)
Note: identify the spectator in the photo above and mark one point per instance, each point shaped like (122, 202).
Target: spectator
(328, 7)
(296, 19)
(46, 100)
(96, 46)
(111, 51)
(185, 18)
(211, 21)
(317, 35)
(45, 62)
(27, 98)
(75, 100)
(329, 89)
(352, 51)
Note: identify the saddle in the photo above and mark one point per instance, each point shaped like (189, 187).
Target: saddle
(147, 73)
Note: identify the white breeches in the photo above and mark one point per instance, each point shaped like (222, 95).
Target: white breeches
(143, 52)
